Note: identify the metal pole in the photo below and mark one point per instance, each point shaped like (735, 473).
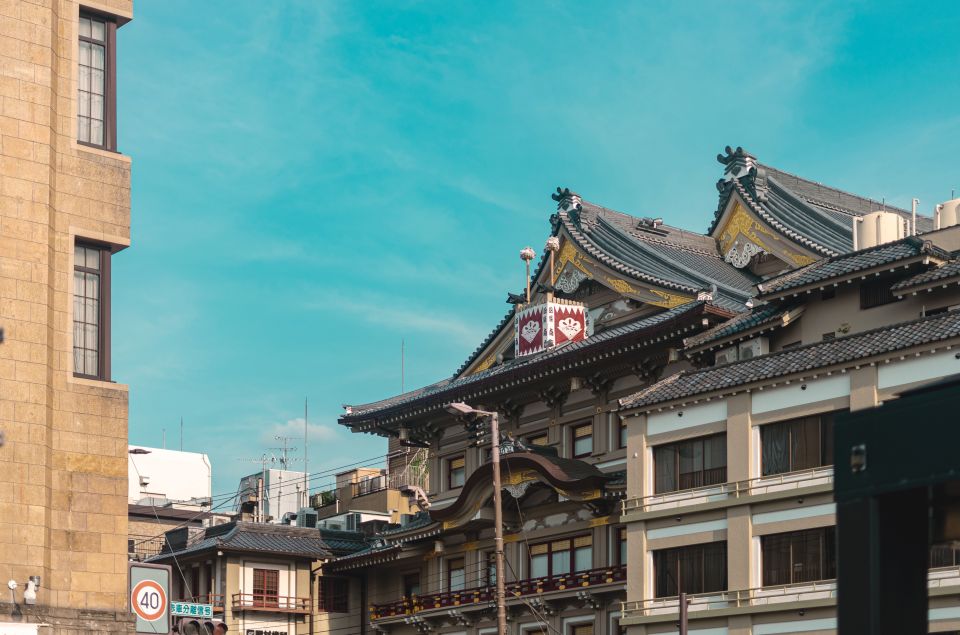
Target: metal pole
(498, 526)
(683, 614)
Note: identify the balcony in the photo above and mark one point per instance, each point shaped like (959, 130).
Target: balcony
(214, 599)
(825, 591)
(270, 603)
(787, 483)
(484, 596)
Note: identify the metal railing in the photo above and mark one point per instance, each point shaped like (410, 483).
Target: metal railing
(486, 595)
(819, 590)
(270, 602)
(761, 485)
(142, 547)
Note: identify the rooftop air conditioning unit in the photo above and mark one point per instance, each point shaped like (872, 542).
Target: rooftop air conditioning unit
(307, 517)
(726, 356)
(754, 348)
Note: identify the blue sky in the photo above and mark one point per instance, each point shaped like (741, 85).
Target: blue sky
(315, 181)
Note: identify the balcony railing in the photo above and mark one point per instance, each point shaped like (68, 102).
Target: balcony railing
(763, 485)
(270, 603)
(215, 599)
(487, 594)
(822, 590)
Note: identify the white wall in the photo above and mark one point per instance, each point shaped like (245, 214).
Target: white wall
(174, 475)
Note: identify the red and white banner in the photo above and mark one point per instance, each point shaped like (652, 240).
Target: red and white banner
(542, 326)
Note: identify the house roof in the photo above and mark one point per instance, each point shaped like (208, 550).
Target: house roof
(632, 334)
(762, 315)
(814, 215)
(842, 266)
(341, 543)
(300, 542)
(947, 272)
(167, 513)
(851, 348)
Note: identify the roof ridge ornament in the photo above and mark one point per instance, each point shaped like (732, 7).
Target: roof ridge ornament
(737, 163)
(567, 200)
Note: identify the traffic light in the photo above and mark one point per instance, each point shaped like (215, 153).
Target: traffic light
(193, 626)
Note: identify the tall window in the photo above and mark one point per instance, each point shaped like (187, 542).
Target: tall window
(411, 585)
(799, 556)
(490, 569)
(621, 435)
(688, 464)
(266, 584)
(559, 557)
(698, 568)
(456, 472)
(96, 85)
(334, 595)
(91, 311)
(621, 535)
(582, 440)
(797, 444)
(456, 575)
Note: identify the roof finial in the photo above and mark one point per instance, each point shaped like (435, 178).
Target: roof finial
(567, 201)
(526, 255)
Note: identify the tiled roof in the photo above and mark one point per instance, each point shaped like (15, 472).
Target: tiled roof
(842, 350)
(757, 316)
(946, 271)
(341, 543)
(521, 368)
(257, 537)
(847, 264)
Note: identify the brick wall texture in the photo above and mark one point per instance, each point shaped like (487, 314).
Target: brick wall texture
(63, 469)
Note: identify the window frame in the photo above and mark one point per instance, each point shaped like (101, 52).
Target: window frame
(574, 436)
(659, 592)
(623, 434)
(103, 335)
(450, 568)
(676, 445)
(827, 537)
(109, 78)
(876, 293)
(333, 595)
(571, 549)
(451, 470)
(266, 599)
(406, 587)
(824, 421)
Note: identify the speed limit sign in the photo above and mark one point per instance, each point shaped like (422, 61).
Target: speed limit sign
(149, 600)
(150, 597)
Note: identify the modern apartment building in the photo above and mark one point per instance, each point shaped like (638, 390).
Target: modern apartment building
(64, 214)
(667, 399)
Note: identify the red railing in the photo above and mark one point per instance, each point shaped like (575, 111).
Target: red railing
(487, 594)
(266, 602)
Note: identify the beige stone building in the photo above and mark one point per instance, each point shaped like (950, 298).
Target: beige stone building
(64, 213)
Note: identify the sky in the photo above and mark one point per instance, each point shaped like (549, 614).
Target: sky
(316, 182)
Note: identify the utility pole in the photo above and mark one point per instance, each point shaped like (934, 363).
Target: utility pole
(464, 411)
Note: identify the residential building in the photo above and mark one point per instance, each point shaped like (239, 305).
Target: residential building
(667, 400)
(263, 577)
(173, 475)
(367, 494)
(64, 214)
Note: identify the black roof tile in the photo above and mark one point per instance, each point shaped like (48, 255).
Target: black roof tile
(257, 537)
(946, 271)
(798, 360)
(758, 316)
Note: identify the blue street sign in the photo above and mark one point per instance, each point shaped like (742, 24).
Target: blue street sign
(186, 609)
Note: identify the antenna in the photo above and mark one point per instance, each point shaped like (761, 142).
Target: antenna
(306, 428)
(181, 433)
(164, 438)
(261, 483)
(401, 364)
(285, 449)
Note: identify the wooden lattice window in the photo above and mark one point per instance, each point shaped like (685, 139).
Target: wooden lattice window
(266, 587)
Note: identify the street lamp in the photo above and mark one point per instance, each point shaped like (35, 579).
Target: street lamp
(460, 409)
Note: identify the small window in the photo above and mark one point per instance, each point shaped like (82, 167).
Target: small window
(799, 556)
(876, 293)
(622, 435)
(91, 311)
(456, 472)
(690, 464)
(539, 438)
(826, 337)
(797, 444)
(582, 440)
(456, 575)
(560, 557)
(334, 595)
(266, 583)
(700, 568)
(96, 82)
(937, 311)
(581, 629)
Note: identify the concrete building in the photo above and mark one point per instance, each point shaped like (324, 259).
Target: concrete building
(172, 475)
(284, 493)
(367, 494)
(668, 400)
(64, 214)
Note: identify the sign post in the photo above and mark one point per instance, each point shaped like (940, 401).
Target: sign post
(150, 597)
